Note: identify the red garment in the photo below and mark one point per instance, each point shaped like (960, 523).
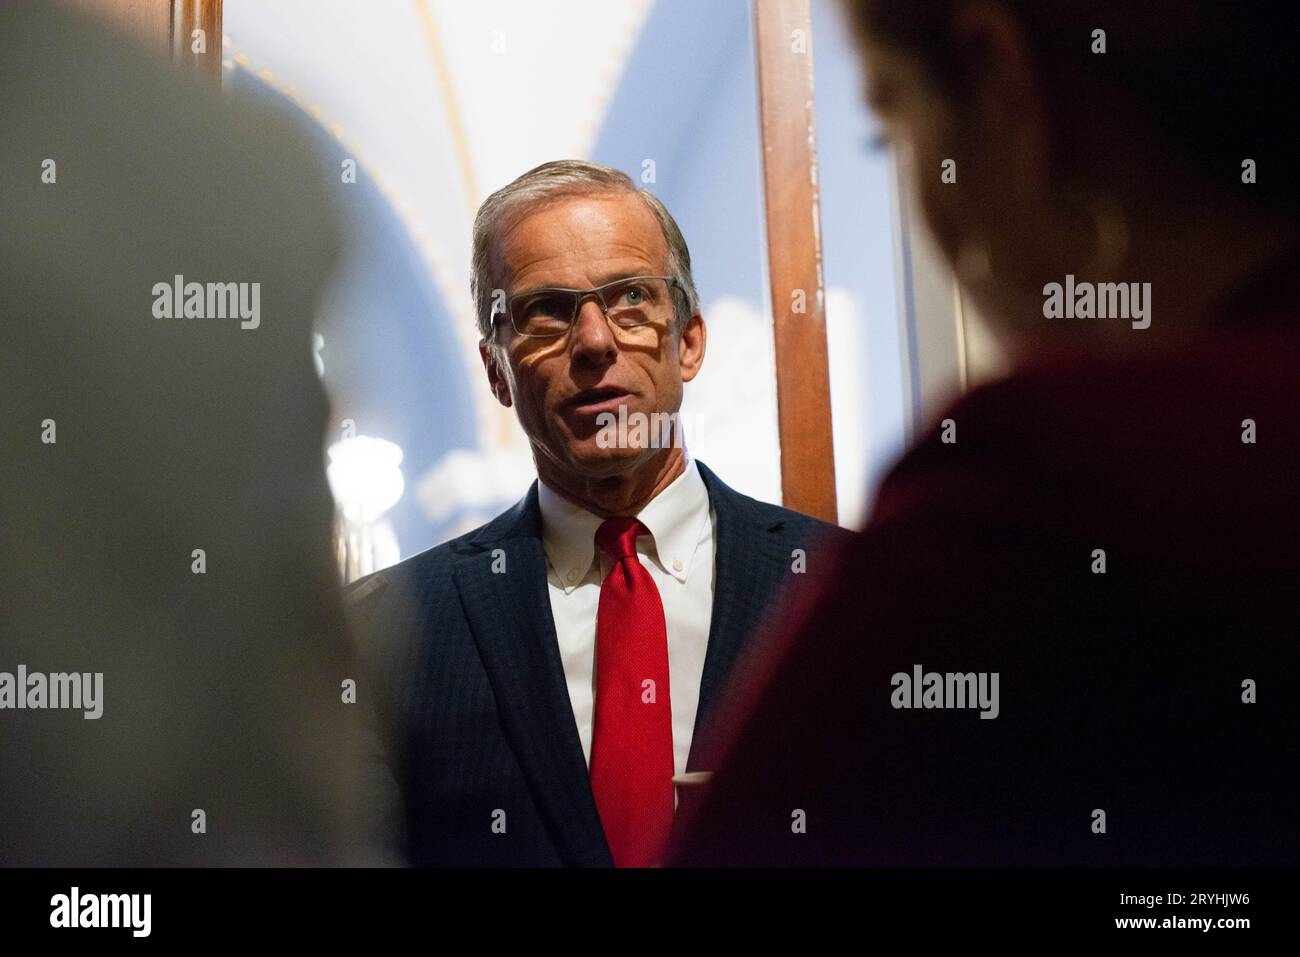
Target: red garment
(1122, 692)
(632, 735)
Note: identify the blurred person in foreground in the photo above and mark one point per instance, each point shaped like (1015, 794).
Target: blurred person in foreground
(164, 517)
(1067, 633)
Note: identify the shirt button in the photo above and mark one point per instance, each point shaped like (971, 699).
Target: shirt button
(572, 577)
(677, 565)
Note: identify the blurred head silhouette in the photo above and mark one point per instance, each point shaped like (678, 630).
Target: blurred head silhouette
(1111, 141)
(166, 520)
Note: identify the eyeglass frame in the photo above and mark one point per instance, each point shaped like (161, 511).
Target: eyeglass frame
(582, 296)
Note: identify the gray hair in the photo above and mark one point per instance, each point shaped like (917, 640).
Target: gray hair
(556, 180)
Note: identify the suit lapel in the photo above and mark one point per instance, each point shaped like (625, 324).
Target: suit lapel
(750, 563)
(510, 616)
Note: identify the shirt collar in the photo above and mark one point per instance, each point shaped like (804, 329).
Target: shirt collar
(675, 518)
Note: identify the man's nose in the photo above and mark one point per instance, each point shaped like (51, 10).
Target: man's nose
(591, 337)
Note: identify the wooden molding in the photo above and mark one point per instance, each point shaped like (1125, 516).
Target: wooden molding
(783, 30)
(191, 15)
(168, 25)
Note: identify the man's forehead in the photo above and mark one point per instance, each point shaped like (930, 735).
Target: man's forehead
(573, 234)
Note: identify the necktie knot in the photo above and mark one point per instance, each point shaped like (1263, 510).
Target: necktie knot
(616, 536)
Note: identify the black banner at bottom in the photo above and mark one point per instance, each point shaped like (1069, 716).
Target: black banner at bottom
(350, 906)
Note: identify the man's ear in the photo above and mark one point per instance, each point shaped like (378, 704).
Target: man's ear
(690, 346)
(491, 356)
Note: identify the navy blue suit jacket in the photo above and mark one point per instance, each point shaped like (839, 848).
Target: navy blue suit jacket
(476, 758)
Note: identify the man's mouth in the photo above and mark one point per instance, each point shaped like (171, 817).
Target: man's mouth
(595, 401)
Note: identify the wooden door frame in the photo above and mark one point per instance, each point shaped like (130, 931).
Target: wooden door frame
(783, 40)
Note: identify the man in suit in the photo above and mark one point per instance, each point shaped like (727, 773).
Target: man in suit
(538, 682)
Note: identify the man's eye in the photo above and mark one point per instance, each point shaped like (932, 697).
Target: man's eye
(631, 296)
(543, 306)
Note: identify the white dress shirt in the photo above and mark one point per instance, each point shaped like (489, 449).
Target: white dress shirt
(678, 553)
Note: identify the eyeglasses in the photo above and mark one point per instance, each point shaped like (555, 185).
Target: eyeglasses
(628, 303)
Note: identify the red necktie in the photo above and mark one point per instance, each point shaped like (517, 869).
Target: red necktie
(632, 736)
